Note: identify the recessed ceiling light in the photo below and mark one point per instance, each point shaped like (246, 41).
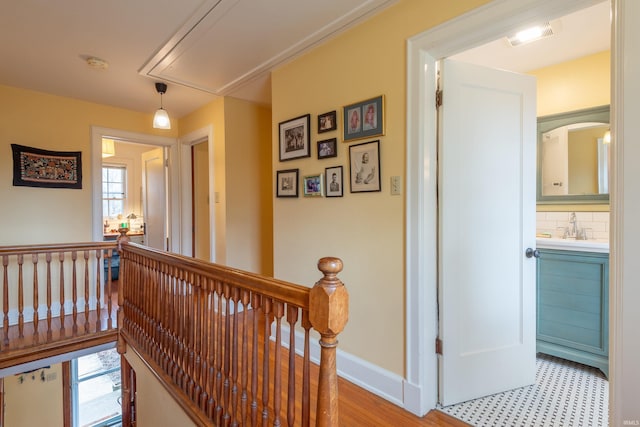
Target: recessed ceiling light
(97, 63)
(531, 34)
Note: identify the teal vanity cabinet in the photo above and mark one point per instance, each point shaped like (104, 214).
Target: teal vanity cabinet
(573, 306)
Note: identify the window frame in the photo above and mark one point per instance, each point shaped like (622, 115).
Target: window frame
(75, 382)
(125, 183)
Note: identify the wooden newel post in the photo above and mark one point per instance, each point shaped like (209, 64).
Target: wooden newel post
(328, 313)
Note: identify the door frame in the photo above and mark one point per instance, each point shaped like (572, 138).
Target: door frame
(186, 142)
(472, 29)
(173, 192)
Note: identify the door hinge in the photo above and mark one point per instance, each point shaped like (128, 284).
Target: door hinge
(438, 346)
(438, 98)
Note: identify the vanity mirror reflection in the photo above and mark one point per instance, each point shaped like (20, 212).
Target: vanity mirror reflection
(574, 157)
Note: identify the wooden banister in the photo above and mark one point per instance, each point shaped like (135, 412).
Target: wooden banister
(215, 337)
(37, 281)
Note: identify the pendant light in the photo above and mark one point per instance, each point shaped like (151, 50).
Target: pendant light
(161, 118)
(108, 148)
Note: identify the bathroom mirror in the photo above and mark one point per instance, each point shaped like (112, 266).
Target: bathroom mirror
(574, 157)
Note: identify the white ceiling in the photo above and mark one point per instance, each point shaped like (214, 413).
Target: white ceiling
(209, 48)
(581, 33)
(201, 48)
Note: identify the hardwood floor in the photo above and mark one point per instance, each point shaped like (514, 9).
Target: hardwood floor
(359, 407)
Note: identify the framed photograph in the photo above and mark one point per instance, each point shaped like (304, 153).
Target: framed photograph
(327, 122)
(364, 119)
(294, 138)
(287, 183)
(333, 181)
(312, 185)
(327, 148)
(364, 161)
(35, 167)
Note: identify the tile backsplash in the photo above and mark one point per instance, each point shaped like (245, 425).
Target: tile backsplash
(595, 223)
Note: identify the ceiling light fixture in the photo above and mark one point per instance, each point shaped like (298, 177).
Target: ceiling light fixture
(161, 118)
(108, 148)
(531, 34)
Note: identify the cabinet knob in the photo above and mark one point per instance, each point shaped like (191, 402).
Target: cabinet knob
(532, 253)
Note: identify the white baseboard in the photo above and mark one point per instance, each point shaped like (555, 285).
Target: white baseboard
(364, 374)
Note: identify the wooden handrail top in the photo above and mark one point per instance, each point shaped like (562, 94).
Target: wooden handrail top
(287, 292)
(56, 247)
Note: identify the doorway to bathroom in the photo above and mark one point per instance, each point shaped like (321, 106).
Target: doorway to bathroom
(425, 49)
(572, 322)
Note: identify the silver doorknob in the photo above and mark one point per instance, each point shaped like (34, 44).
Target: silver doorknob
(532, 253)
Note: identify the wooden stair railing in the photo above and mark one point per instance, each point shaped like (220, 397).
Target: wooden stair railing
(55, 299)
(215, 338)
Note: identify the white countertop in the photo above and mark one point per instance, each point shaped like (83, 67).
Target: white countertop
(601, 246)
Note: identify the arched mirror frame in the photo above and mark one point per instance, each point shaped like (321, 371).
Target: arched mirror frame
(550, 122)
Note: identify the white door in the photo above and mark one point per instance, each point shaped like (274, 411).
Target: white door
(487, 152)
(154, 199)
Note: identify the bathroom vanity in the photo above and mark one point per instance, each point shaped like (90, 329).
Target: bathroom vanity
(573, 301)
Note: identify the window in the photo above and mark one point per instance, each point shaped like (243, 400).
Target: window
(95, 389)
(114, 184)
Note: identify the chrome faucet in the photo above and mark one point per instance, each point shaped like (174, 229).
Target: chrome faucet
(573, 225)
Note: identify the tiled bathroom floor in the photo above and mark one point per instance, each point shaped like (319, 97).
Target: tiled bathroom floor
(565, 394)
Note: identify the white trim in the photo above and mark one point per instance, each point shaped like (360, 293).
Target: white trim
(474, 28)
(624, 294)
(378, 381)
(97, 133)
(616, 220)
(421, 323)
(186, 142)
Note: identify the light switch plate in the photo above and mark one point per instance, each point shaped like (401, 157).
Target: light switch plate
(396, 185)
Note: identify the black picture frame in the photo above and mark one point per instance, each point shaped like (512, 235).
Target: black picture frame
(328, 148)
(287, 183)
(333, 181)
(36, 167)
(295, 135)
(327, 122)
(364, 165)
(363, 119)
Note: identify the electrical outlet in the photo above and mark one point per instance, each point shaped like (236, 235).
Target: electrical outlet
(396, 185)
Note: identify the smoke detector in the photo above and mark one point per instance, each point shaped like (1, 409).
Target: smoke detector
(97, 63)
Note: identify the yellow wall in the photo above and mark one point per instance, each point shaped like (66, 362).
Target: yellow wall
(365, 230)
(155, 407)
(212, 114)
(574, 85)
(43, 215)
(34, 402)
(242, 173)
(248, 186)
